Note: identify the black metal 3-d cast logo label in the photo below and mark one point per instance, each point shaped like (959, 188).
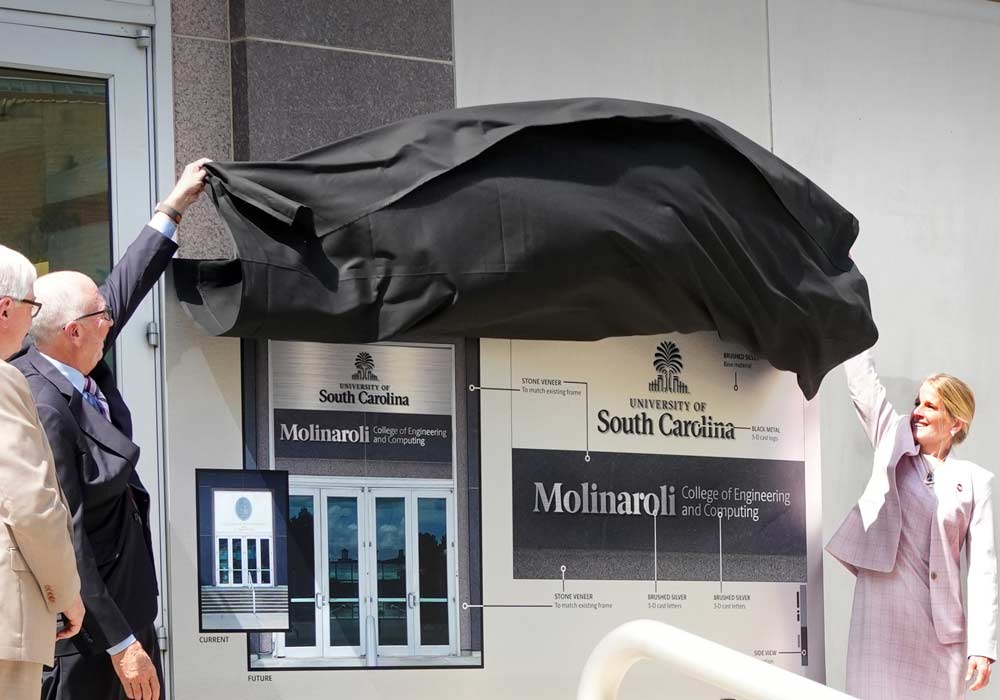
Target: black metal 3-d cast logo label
(365, 364)
(668, 364)
(670, 422)
(368, 392)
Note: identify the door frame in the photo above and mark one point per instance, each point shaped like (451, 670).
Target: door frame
(316, 650)
(373, 494)
(412, 496)
(111, 19)
(27, 42)
(326, 649)
(419, 648)
(366, 490)
(319, 489)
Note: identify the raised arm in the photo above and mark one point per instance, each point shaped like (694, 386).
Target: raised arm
(148, 256)
(870, 402)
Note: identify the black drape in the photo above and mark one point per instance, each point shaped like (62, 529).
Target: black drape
(567, 219)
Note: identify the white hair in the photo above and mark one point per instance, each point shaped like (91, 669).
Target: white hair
(62, 302)
(17, 274)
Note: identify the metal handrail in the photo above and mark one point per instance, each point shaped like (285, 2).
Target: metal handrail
(694, 656)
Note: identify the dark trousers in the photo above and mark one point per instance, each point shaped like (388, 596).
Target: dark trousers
(79, 677)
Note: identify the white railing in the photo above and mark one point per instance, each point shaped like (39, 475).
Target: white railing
(694, 656)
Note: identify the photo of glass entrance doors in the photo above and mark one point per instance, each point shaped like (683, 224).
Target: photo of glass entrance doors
(372, 574)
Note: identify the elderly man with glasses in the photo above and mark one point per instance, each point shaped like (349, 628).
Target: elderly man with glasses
(116, 655)
(38, 576)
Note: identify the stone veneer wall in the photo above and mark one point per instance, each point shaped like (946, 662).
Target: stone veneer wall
(203, 110)
(266, 79)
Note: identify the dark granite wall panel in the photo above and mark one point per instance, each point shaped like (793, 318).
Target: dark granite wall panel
(298, 98)
(403, 27)
(237, 23)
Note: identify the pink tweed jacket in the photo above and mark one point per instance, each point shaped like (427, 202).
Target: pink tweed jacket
(869, 536)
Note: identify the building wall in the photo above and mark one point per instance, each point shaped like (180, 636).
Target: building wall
(203, 109)
(884, 104)
(204, 411)
(258, 80)
(889, 105)
(709, 56)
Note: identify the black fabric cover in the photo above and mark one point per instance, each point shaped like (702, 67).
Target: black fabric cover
(562, 220)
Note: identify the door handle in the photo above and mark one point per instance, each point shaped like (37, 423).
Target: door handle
(411, 600)
(320, 603)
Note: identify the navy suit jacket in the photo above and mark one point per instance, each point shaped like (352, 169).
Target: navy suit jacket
(96, 460)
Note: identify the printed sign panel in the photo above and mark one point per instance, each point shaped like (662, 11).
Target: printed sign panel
(670, 477)
(374, 402)
(678, 395)
(244, 512)
(708, 519)
(242, 519)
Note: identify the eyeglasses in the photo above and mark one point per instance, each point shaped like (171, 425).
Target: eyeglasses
(36, 306)
(104, 313)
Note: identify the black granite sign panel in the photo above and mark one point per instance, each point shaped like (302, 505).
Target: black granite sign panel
(601, 516)
(400, 437)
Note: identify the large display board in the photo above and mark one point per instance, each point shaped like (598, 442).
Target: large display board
(669, 477)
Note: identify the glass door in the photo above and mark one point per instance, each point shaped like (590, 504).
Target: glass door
(305, 613)
(392, 552)
(413, 579)
(325, 576)
(434, 594)
(370, 570)
(345, 609)
(75, 186)
(259, 556)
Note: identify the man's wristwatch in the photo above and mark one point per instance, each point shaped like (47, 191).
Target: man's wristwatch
(171, 213)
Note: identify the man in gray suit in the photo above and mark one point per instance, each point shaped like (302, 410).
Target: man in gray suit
(116, 655)
(37, 567)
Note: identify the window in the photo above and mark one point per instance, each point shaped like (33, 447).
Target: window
(244, 561)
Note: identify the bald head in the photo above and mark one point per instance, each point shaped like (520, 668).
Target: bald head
(74, 322)
(65, 296)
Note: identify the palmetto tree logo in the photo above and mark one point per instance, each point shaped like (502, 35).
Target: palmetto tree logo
(668, 365)
(365, 364)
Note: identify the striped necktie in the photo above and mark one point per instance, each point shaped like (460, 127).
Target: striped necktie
(93, 395)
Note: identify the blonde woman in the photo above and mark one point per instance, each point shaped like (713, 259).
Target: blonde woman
(909, 637)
